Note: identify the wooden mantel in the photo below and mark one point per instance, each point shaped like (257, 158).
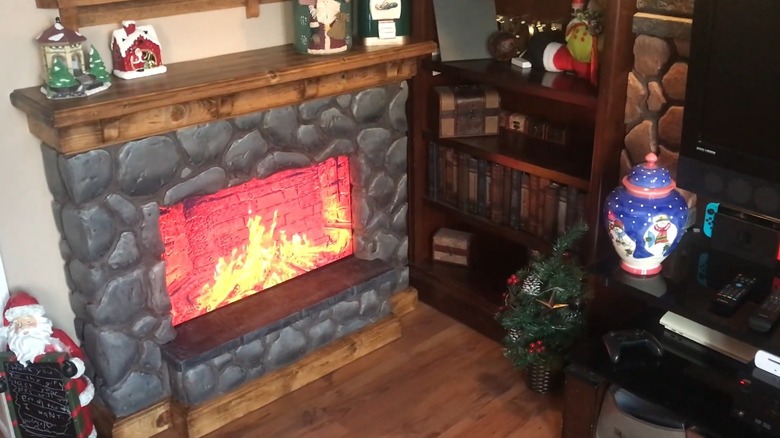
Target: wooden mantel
(206, 90)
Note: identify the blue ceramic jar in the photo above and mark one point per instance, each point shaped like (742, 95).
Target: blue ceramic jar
(645, 217)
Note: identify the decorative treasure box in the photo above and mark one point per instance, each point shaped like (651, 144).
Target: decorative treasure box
(467, 110)
(451, 246)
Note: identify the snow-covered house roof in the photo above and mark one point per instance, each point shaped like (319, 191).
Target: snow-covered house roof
(59, 35)
(129, 33)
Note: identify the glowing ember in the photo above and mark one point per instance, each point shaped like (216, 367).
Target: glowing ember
(267, 261)
(220, 248)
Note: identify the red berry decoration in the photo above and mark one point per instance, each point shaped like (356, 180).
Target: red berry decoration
(512, 280)
(536, 347)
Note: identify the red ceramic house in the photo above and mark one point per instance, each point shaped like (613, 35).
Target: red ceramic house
(136, 51)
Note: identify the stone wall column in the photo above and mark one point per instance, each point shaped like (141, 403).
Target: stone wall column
(656, 84)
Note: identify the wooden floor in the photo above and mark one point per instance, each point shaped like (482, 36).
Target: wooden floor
(441, 379)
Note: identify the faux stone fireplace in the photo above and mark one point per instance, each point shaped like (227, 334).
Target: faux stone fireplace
(114, 161)
(109, 200)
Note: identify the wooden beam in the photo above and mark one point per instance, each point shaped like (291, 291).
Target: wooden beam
(85, 13)
(197, 421)
(252, 8)
(148, 422)
(202, 91)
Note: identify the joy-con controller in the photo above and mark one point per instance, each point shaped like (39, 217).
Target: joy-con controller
(701, 269)
(709, 218)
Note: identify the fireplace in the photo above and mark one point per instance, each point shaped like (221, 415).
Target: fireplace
(147, 223)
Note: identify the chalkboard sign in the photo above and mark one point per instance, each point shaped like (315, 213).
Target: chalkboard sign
(40, 400)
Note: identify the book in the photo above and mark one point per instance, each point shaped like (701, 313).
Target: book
(525, 201)
(571, 208)
(543, 183)
(550, 210)
(533, 204)
(472, 203)
(560, 221)
(496, 193)
(514, 199)
(482, 187)
(441, 152)
(506, 211)
(450, 177)
(463, 181)
(533, 127)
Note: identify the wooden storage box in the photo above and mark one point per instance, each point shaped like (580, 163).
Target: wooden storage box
(451, 246)
(467, 110)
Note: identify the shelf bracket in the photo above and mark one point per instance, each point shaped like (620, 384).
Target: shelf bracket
(252, 8)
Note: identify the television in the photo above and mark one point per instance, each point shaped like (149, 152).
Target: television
(730, 149)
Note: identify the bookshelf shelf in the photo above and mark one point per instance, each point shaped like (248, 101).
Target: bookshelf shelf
(529, 154)
(561, 87)
(473, 296)
(485, 225)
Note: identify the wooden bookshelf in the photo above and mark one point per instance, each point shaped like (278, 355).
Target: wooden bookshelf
(589, 164)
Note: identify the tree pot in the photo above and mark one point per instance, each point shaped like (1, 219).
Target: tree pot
(544, 378)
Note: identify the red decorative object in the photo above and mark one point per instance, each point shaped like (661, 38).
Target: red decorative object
(32, 340)
(536, 347)
(512, 280)
(136, 51)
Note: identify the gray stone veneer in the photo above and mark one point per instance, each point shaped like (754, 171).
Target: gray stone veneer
(106, 206)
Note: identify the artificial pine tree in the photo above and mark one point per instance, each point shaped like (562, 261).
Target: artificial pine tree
(96, 66)
(543, 315)
(59, 75)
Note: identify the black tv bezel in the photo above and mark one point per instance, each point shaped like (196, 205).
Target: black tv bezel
(692, 146)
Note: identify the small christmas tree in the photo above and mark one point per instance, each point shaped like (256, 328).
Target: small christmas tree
(59, 75)
(544, 304)
(96, 66)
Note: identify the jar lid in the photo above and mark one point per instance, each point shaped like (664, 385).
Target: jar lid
(648, 179)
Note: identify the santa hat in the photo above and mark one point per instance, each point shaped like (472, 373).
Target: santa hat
(21, 304)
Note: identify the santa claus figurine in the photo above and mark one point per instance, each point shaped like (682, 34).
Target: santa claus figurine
(30, 335)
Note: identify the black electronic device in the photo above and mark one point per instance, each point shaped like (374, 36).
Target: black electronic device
(618, 340)
(768, 312)
(757, 401)
(746, 235)
(728, 298)
(728, 150)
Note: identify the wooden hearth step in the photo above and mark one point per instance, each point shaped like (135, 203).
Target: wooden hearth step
(173, 419)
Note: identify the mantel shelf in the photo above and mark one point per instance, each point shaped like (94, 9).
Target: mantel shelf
(206, 90)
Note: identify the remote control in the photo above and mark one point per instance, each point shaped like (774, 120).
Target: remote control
(731, 296)
(768, 312)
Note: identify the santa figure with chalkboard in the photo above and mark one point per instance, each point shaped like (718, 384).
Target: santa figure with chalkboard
(30, 335)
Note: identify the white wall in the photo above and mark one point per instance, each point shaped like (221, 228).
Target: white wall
(29, 240)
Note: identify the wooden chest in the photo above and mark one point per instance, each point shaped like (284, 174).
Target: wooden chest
(467, 110)
(451, 246)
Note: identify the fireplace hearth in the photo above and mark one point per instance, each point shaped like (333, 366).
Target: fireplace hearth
(108, 202)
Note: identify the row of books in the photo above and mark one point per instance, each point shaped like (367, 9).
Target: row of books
(503, 195)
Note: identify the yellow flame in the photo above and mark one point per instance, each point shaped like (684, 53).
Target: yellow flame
(265, 261)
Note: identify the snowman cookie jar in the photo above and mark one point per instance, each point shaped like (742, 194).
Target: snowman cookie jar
(645, 217)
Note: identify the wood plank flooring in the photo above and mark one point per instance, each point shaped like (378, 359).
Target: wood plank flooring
(441, 379)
